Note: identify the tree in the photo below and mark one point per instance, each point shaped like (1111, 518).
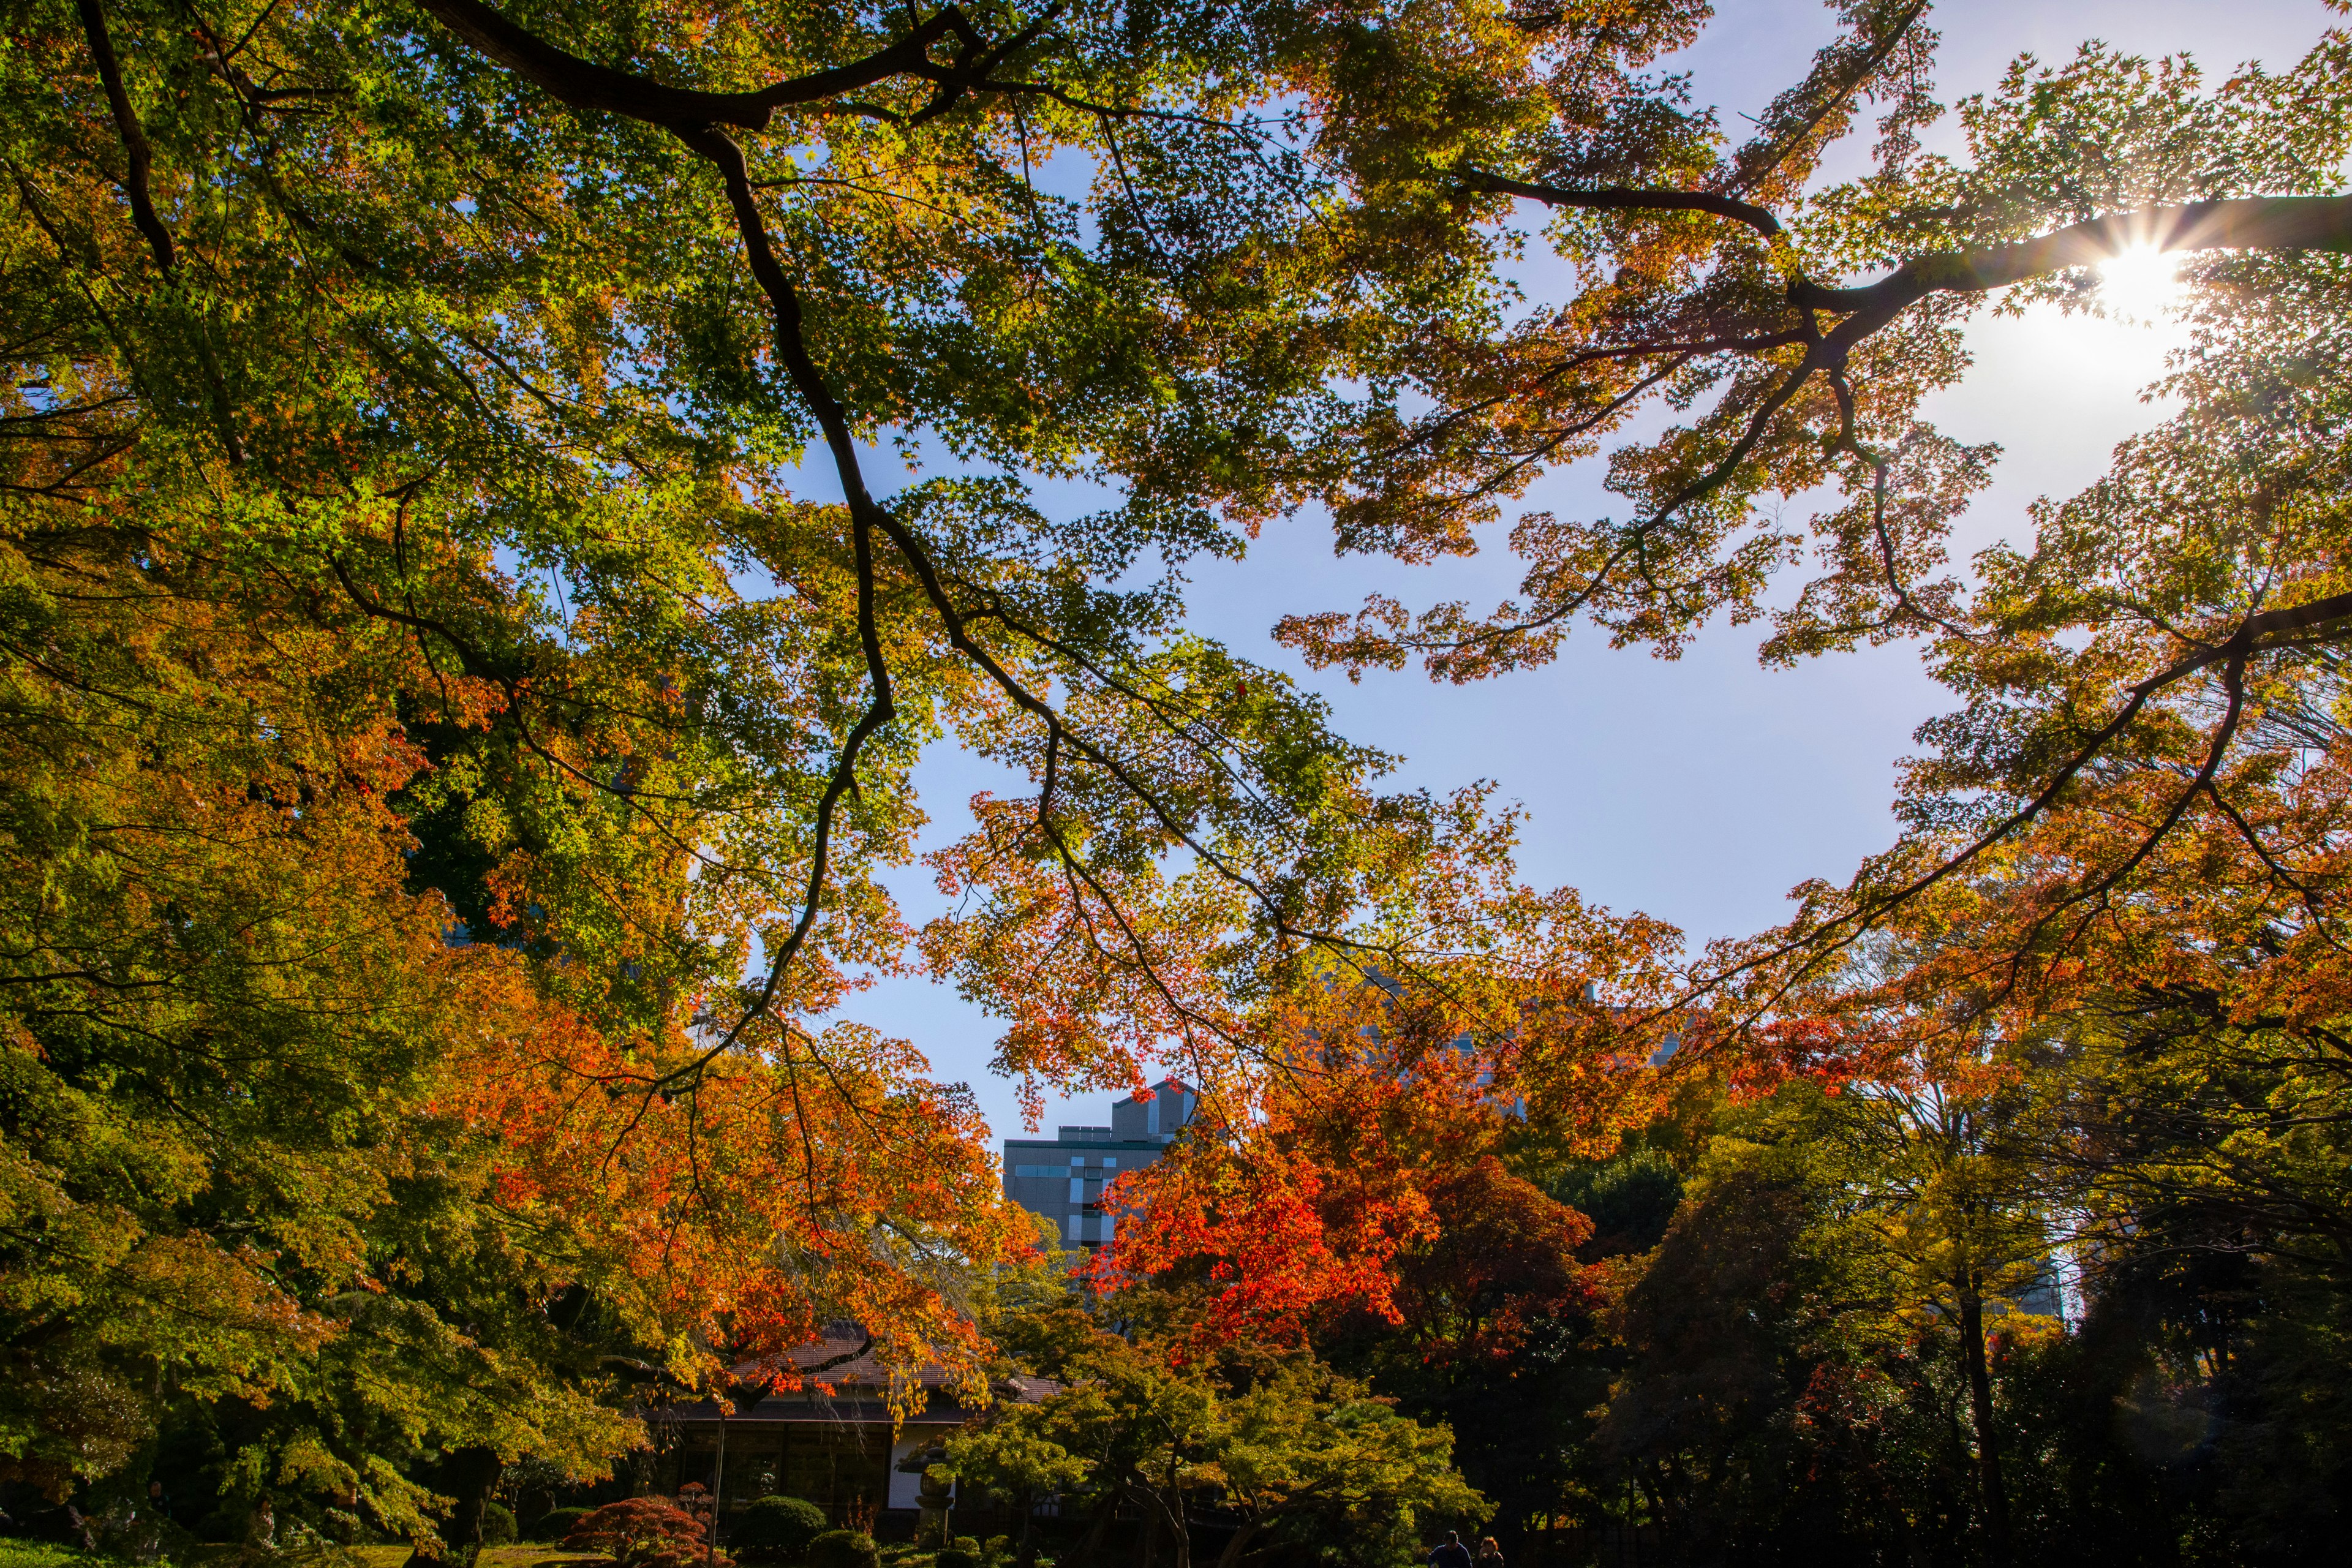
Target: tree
(1821, 1346)
(2150, 613)
(1496, 1313)
(1290, 1457)
(406, 546)
(401, 452)
(1942, 1185)
(422, 340)
(2172, 1049)
(643, 1533)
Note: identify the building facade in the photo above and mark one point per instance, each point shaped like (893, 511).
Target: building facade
(1062, 1178)
(834, 1443)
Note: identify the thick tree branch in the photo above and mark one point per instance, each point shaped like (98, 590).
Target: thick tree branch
(583, 84)
(1631, 198)
(2243, 222)
(136, 157)
(2239, 222)
(2252, 223)
(139, 162)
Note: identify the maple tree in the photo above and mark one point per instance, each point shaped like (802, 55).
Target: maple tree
(1362, 1173)
(2171, 1000)
(644, 1533)
(1283, 1452)
(274, 1142)
(455, 633)
(2128, 1019)
(427, 677)
(1702, 282)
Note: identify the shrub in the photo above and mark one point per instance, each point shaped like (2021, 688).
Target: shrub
(642, 1533)
(956, 1557)
(776, 1528)
(557, 1522)
(498, 1524)
(843, 1549)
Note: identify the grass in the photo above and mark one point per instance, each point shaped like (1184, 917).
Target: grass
(36, 1554)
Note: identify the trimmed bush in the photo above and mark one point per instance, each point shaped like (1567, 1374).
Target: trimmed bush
(498, 1524)
(843, 1549)
(775, 1529)
(557, 1522)
(956, 1557)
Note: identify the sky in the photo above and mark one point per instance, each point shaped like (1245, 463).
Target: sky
(1699, 790)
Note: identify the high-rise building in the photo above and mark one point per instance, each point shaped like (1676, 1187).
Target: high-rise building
(1062, 1178)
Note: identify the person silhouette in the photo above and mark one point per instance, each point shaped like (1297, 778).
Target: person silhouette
(1451, 1552)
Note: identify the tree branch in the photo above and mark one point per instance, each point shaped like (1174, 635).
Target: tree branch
(584, 84)
(2242, 223)
(1632, 198)
(135, 151)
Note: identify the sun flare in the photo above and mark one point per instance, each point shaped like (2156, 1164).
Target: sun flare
(2141, 284)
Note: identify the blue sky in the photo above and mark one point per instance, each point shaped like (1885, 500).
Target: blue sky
(1698, 790)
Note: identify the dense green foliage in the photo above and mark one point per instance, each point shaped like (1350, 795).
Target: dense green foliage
(781, 1527)
(1285, 1457)
(1826, 1327)
(558, 1522)
(843, 1549)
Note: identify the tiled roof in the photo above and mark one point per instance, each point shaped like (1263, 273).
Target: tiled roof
(860, 1389)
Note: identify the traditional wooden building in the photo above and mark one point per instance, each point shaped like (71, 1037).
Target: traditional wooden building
(837, 1449)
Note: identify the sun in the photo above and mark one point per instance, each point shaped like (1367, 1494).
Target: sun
(2141, 284)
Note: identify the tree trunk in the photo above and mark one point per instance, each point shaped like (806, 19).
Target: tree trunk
(1176, 1524)
(1161, 1514)
(1090, 1548)
(1993, 1494)
(468, 1475)
(1232, 1555)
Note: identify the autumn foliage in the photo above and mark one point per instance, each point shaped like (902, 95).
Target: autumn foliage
(644, 1532)
(1364, 1178)
(464, 679)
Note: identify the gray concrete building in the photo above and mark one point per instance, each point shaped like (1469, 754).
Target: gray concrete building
(1062, 1178)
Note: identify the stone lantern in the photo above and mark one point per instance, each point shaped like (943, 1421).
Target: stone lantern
(933, 1497)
